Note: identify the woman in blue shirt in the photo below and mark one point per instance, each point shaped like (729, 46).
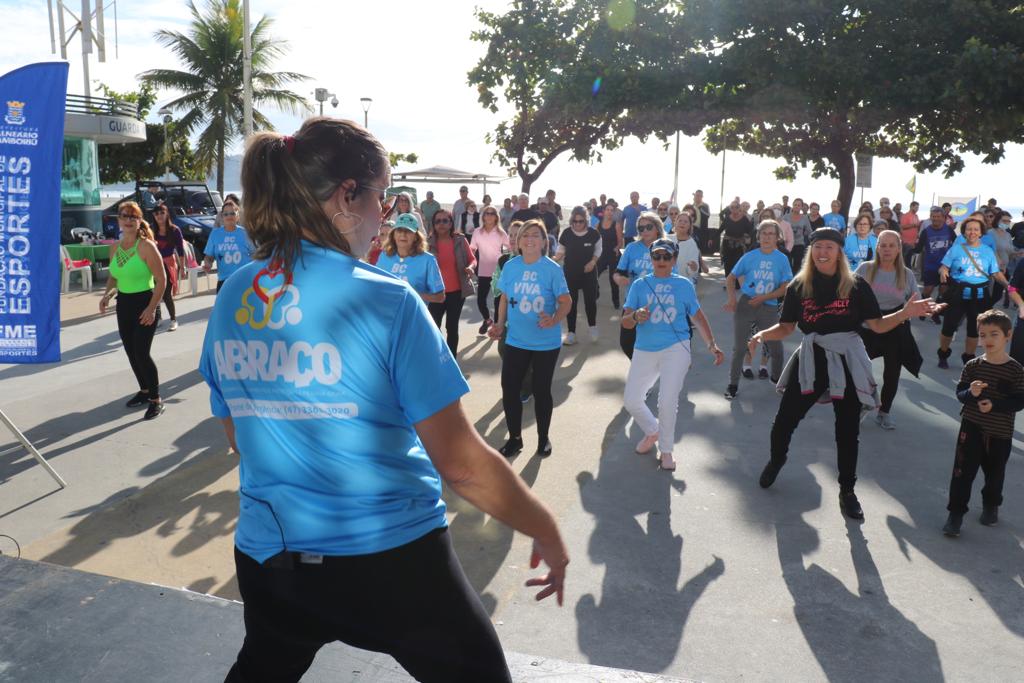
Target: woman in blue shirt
(634, 263)
(861, 245)
(965, 270)
(342, 400)
(534, 302)
(659, 306)
(229, 245)
(404, 254)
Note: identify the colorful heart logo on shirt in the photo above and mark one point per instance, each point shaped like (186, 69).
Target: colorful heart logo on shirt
(270, 283)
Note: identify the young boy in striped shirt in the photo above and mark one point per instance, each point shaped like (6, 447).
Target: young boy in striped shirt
(992, 391)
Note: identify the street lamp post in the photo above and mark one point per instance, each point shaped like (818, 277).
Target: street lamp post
(322, 96)
(366, 102)
(165, 114)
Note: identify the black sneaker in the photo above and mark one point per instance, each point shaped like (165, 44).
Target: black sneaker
(989, 515)
(748, 373)
(139, 399)
(731, 391)
(512, 448)
(762, 373)
(483, 327)
(849, 504)
(944, 358)
(771, 470)
(545, 450)
(155, 410)
(953, 524)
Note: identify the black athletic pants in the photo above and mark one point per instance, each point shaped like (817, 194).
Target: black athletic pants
(627, 340)
(608, 263)
(138, 339)
(975, 450)
(483, 291)
(730, 256)
(794, 407)
(796, 257)
(169, 292)
(412, 602)
(452, 308)
(513, 369)
(960, 308)
(588, 283)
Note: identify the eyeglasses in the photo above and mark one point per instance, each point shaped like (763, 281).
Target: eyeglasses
(129, 217)
(443, 221)
(230, 213)
(662, 256)
(644, 227)
(579, 221)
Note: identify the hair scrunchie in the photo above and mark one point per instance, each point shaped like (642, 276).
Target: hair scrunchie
(289, 143)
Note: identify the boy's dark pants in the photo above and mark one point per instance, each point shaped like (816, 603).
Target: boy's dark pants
(973, 450)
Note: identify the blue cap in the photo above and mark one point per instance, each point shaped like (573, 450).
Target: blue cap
(665, 245)
(407, 221)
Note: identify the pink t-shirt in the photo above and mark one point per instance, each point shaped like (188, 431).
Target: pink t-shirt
(487, 245)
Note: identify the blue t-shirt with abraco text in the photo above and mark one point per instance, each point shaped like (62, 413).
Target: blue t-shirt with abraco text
(324, 373)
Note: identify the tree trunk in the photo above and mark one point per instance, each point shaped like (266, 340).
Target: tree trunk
(220, 166)
(843, 161)
(527, 182)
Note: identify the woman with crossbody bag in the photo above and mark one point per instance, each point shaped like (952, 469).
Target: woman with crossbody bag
(966, 270)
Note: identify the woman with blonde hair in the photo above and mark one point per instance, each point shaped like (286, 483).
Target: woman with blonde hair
(138, 276)
(404, 254)
(635, 263)
(339, 394)
(893, 284)
(829, 305)
(535, 300)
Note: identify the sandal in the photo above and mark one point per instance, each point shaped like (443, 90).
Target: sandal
(671, 466)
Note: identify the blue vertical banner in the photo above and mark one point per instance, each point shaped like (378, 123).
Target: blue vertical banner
(32, 102)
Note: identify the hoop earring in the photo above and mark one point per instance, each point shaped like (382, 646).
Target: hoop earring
(348, 216)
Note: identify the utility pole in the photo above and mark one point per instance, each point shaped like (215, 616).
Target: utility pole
(246, 72)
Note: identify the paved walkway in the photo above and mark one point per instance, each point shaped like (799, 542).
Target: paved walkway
(697, 574)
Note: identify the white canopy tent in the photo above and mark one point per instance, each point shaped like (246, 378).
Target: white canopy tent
(444, 174)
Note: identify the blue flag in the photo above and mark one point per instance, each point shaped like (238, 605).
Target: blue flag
(32, 102)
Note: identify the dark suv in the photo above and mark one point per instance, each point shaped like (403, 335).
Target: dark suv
(193, 207)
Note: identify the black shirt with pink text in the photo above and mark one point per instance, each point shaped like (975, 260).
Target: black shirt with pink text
(825, 312)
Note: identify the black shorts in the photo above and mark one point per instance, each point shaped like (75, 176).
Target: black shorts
(930, 278)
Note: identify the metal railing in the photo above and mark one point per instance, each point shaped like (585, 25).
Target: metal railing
(80, 104)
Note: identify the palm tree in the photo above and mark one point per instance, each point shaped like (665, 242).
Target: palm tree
(212, 84)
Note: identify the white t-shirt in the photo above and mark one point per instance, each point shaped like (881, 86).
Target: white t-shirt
(688, 251)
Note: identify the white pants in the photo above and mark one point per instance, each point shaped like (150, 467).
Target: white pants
(670, 366)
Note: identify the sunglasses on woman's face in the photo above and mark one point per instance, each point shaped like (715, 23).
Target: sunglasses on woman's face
(231, 213)
(578, 221)
(644, 227)
(443, 221)
(661, 256)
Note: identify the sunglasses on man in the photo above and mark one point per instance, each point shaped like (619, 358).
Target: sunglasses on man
(661, 256)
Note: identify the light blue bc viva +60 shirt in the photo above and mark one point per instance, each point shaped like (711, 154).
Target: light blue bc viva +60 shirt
(324, 376)
(231, 250)
(530, 289)
(420, 271)
(669, 300)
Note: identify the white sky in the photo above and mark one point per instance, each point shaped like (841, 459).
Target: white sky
(412, 56)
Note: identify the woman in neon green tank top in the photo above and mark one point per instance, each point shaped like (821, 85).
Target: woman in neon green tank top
(137, 275)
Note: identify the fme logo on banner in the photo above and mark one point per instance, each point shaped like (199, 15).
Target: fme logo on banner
(15, 113)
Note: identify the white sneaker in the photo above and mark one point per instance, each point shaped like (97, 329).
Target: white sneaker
(883, 421)
(173, 327)
(594, 335)
(570, 339)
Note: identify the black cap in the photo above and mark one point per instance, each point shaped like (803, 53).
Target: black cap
(830, 234)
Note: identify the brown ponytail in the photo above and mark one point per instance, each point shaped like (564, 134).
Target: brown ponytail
(285, 179)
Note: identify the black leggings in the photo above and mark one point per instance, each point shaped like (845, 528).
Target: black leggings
(412, 602)
(796, 257)
(794, 407)
(960, 308)
(608, 263)
(627, 340)
(483, 291)
(730, 256)
(138, 339)
(452, 308)
(513, 369)
(588, 283)
(169, 292)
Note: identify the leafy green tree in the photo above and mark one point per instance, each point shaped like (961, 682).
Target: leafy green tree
(129, 162)
(395, 158)
(813, 82)
(526, 49)
(211, 102)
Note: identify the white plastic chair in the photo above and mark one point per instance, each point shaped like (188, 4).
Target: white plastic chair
(68, 267)
(194, 269)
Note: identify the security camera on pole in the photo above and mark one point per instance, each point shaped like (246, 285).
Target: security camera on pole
(322, 96)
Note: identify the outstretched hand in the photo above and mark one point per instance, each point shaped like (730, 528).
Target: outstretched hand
(917, 307)
(556, 558)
